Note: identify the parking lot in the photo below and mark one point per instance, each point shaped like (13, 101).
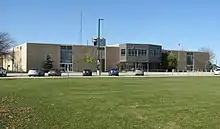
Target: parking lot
(122, 74)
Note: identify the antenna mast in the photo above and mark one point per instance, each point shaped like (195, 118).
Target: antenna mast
(81, 28)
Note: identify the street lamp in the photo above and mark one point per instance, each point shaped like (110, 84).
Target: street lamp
(99, 68)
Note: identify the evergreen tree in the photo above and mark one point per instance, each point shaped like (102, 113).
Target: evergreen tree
(48, 63)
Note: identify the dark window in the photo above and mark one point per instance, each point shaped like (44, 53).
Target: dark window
(122, 52)
(158, 52)
(155, 52)
(66, 54)
(135, 52)
(139, 52)
(151, 52)
(62, 47)
(132, 52)
(129, 52)
(144, 52)
(189, 58)
(69, 47)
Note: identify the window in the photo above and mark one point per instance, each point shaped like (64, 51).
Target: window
(62, 47)
(189, 58)
(139, 52)
(69, 47)
(129, 52)
(151, 52)
(158, 52)
(155, 52)
(122, 52)
(66, 54)
(132, 52)
(144, 53)
(135, 52)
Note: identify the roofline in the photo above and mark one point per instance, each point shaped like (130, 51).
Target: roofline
(182, 50)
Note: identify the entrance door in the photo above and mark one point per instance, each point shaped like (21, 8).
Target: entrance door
(67, 67)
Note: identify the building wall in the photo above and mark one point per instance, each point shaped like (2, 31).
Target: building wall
(181, 59)
(32, 55)
(36, 54)
(201, 60)
(20, 58)
(155, 58)
(140, 58)
(112, 57)
(80, 53)
(129, 58)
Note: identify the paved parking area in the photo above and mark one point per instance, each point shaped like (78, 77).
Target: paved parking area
(125, 74)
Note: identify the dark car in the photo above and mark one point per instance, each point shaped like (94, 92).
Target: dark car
(87, 72)
(54, 72)
(113, 72)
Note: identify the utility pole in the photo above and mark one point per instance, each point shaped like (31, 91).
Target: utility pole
(99, 68)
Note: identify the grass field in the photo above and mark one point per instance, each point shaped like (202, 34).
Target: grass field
(111, 103)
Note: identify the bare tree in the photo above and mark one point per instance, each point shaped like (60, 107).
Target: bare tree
(210, 51)
(5, 43)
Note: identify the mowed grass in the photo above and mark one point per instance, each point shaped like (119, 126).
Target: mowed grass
(111, 103)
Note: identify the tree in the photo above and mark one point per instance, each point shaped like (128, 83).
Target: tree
(208, 50)
(89, 59)
(164, 64)
(172, 61)
(5, 43)
(48, 63)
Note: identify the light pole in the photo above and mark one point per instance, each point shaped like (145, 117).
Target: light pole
(99, 68)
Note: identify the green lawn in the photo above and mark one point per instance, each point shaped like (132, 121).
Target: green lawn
(111, 103)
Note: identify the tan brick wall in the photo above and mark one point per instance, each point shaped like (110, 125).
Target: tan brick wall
(80, 54)
(36, 54)
(181, 59)
(112, 57)
(201, 60)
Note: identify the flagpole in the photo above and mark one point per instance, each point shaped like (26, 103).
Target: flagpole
(179, 57)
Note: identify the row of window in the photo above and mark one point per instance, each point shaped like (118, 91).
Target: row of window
(66, 56)
(66, 47)
(141, 52)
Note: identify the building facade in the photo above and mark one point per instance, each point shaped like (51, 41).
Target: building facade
(142, 56)
(190, 60)
(78, 57)
(66, 57)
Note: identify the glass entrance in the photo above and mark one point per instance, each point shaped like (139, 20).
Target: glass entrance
(67, 67)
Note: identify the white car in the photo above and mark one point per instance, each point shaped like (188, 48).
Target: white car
(217, 71)
(35, 72)
(3, 72)
(139, 72)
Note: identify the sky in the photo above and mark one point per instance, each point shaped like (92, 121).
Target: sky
(192, 23)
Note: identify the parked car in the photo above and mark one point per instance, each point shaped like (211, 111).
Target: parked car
(54, 72)
(36, 72)
(87, 72)
(217, 71)
(3, 72)
(139, 72)
(113, 72)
